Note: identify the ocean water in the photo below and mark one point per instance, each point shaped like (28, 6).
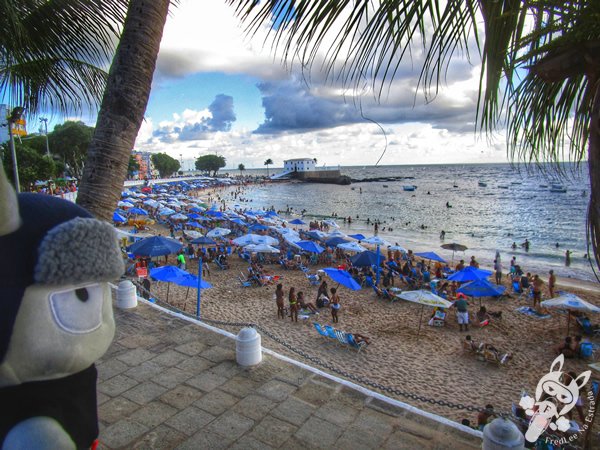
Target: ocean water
(485, 219)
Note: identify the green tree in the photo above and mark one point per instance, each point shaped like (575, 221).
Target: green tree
(123, 106)
(241, 168)
(268, 163)
(165, 165)
(540, 76)
(210, 163)
(133, 166)
(33, 166)
(53, 53)
(70, 141)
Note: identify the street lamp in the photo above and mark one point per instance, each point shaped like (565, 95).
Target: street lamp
(14, 116)
(44, 120)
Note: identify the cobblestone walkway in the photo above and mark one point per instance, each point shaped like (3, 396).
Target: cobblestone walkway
(166, 383)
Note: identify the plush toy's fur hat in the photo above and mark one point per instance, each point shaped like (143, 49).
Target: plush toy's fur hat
(49, 241)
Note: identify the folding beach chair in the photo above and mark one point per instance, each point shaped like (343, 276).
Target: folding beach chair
(355, 345)
(320, 330)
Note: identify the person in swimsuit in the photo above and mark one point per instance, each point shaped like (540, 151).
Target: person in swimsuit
(306, 305)
(279, 299)
(293, 304)
(335, 305)
(537, 284)
(321, 292)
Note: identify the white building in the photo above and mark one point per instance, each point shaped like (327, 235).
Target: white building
(299, 165)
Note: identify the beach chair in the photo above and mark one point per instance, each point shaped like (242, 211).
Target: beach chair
(244, 283)
(586, 326)
(517, 287)
(218, 264)
(341, 338)
(313, 279)
(355, 345)
(331, 332)
(378, 292)
(320, 330)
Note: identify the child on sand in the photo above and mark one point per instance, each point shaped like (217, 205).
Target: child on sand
(335, 305)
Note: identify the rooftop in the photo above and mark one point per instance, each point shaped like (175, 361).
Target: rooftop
(168, 383)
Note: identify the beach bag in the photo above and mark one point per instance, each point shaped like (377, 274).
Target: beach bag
(586, 349)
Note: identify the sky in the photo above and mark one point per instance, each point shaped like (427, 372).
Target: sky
(218, 90)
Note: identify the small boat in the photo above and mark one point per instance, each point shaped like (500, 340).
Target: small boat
(409, 187)
(482, 184)
(352, 189)
(558, 188)
(502, 186)
(455, 185)
(385, 185)
(543, 185)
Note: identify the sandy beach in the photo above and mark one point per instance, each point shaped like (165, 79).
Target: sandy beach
(434, 366)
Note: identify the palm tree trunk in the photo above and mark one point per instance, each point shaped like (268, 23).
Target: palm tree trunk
(594, 167)
(123, 107)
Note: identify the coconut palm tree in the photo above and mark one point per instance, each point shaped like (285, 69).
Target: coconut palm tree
(540, 75)
(241, 168)
(123, 106)
(52, 54)
(268, 162)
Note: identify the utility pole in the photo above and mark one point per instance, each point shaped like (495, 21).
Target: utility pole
(15, 115)
(44, 120)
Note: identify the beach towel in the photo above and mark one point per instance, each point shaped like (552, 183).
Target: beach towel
(528, 310)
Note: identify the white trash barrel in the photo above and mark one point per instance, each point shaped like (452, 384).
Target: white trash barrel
(126, 295)
(248, 350)
(502, 434)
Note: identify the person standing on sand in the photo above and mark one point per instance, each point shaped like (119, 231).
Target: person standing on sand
(461, 306)
(335, 305)
(551, 283)
(293, 304)
(498, 271)
(537, 284)
(279, 300)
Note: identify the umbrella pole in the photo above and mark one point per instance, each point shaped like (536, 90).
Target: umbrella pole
(199, 282)
(377, 268)
(420, 320)
(168, 286)
(568, 322)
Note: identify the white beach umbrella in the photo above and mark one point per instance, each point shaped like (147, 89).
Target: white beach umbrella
(262, 248)
(352, 247)
(570, 302)
(179, 217)
(255, 239)
(218, 232)
(331, 223)
(424, 298)
(193, 234)
(166, 212)
(397, 247)
(125, 204)
(375, 240)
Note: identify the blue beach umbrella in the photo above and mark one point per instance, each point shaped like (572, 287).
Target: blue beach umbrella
(203, 240)
(352, 247)
(430, 255)
(342, 277)
(138, 211)
(118, 218)
(194, 224)
(481, 288)
(194, 216)
(335, 241)
(155, 246)
(297, 222)
(358, 236)
(366, 259)
(469, 274)
(238, 221)
(258, 227)
(310, 246)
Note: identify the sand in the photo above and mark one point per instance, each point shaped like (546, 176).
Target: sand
(434, 366)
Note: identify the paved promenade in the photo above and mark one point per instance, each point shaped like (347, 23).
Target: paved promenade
(166, 383)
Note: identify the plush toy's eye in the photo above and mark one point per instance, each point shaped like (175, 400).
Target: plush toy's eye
(78, 310)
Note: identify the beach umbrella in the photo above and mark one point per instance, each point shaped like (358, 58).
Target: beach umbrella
(297, 222)
(124, 204)
(367, 258)
(335, 241)
(194, 224)
(310, 246)
(358, 236)
(261, 248)
(258, 227)
(454, 247)
(342, 277)
(376, 240)
(481, 288)
(214, 213)
(331, 223)
(238, 221)
(469, 273)
(248, 239)
(352, 247)
(118, 217)
(204, 241)
(316, 234)
(218, 232)
(430, 255)
(424, 298)
(166, 212)
(155, 246)
(197, 209)
(138, 211)
(193, 216)
(397, 247)
(179, 217)
(570, 302)
(172, 274)
(151, 203)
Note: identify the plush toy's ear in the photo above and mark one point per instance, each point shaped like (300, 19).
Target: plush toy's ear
(9, 209)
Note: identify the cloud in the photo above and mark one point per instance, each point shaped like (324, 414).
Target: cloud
(197, 125)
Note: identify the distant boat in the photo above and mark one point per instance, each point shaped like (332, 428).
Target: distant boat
(558, 188)
(543, 185)
(409, 187)
(515, 182)
(352, 189)
(502, 186)
(482, 184)
(455, 185)
(385, 185)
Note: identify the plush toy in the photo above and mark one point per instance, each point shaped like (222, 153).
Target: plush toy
(55, 319)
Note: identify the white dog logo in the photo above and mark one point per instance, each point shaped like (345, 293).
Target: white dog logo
(550, 394)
